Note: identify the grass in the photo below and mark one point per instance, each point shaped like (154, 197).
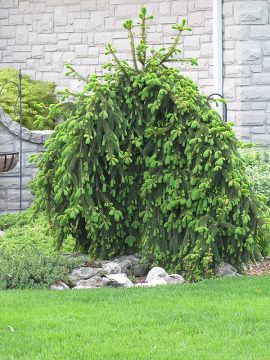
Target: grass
(216, 319)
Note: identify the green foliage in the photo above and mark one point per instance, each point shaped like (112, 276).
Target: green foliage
(258, 169)
(23, 232)
(37, 96)
(28, 258)
(31, 269)
(141, 154)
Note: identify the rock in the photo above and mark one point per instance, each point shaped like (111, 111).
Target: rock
(2, 233)
(119, 280)
(127, 263)
(59, 285)
(84, 273)
(141, 270)
(175, 279)
(111, 267)
(92, 283)
(156, 274)
(226, 269)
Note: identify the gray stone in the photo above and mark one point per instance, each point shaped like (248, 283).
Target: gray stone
(249, 52)
(141, 270)
(251, 118)
(2, 233)
(250, 12)
(127, 263)
(59, 285)
(92, 283)
(84, 273)
(175, 279)
(226, 269)
(157, 275)
(111, 267)
(119, 280)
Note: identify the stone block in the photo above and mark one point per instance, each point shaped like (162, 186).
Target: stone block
(203, 4)
(266, 63)
(47, 23)
(47, 38)
(251, 12)
(127, 10)
(89, 5)
(102, 37)
(81, 50)
(261, 79)
(7, 4)
(263, 139)
(255, 93)
(196, 18)
(81, 25)
(237, 71)
(177, 8)
(260, 32)
(266, 48)
(190, 42)
(97, 20)
(15, 19)
(249, 52)
(75, 38)
(4, 14)
(251, 118)
(37, 51)
(7, 32)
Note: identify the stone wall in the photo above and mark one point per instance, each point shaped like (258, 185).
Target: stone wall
(40, 36)
(10, 181)
(247, 67)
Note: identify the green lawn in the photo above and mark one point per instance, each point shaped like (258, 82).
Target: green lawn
(217, 319)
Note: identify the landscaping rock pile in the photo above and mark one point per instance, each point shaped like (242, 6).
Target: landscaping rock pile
(118, 273)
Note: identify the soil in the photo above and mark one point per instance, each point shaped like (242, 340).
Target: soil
(259, 268)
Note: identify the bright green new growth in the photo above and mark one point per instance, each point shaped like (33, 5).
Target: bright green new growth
(142, 162)
(37, 96)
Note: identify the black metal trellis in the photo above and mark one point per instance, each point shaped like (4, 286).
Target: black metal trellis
(225, 107)
(12, 158)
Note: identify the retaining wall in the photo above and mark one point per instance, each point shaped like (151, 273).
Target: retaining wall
(10, 182)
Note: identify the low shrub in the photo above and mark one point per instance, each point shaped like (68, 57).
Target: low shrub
(37, 96)
(258, 169)
(32, 269)
(23, 231)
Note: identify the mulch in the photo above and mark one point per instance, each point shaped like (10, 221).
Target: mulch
(259, 268)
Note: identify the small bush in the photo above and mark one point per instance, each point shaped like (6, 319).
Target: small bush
(32, 269)
(22, 231)
(37, 96)
(258, 169)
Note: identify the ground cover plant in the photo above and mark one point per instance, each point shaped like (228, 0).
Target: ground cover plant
(258, 168)
(28, 256)
(37, 96)
(216, 319)
(142, 162)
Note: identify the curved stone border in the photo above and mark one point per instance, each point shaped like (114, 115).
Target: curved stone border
(34, 136)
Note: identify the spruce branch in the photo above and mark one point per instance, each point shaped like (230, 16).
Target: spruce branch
(173, 48)
(75, 73)
(128, 25)
(112, 51)
(142, 47)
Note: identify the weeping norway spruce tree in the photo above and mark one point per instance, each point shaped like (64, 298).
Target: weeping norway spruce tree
(141, 162)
